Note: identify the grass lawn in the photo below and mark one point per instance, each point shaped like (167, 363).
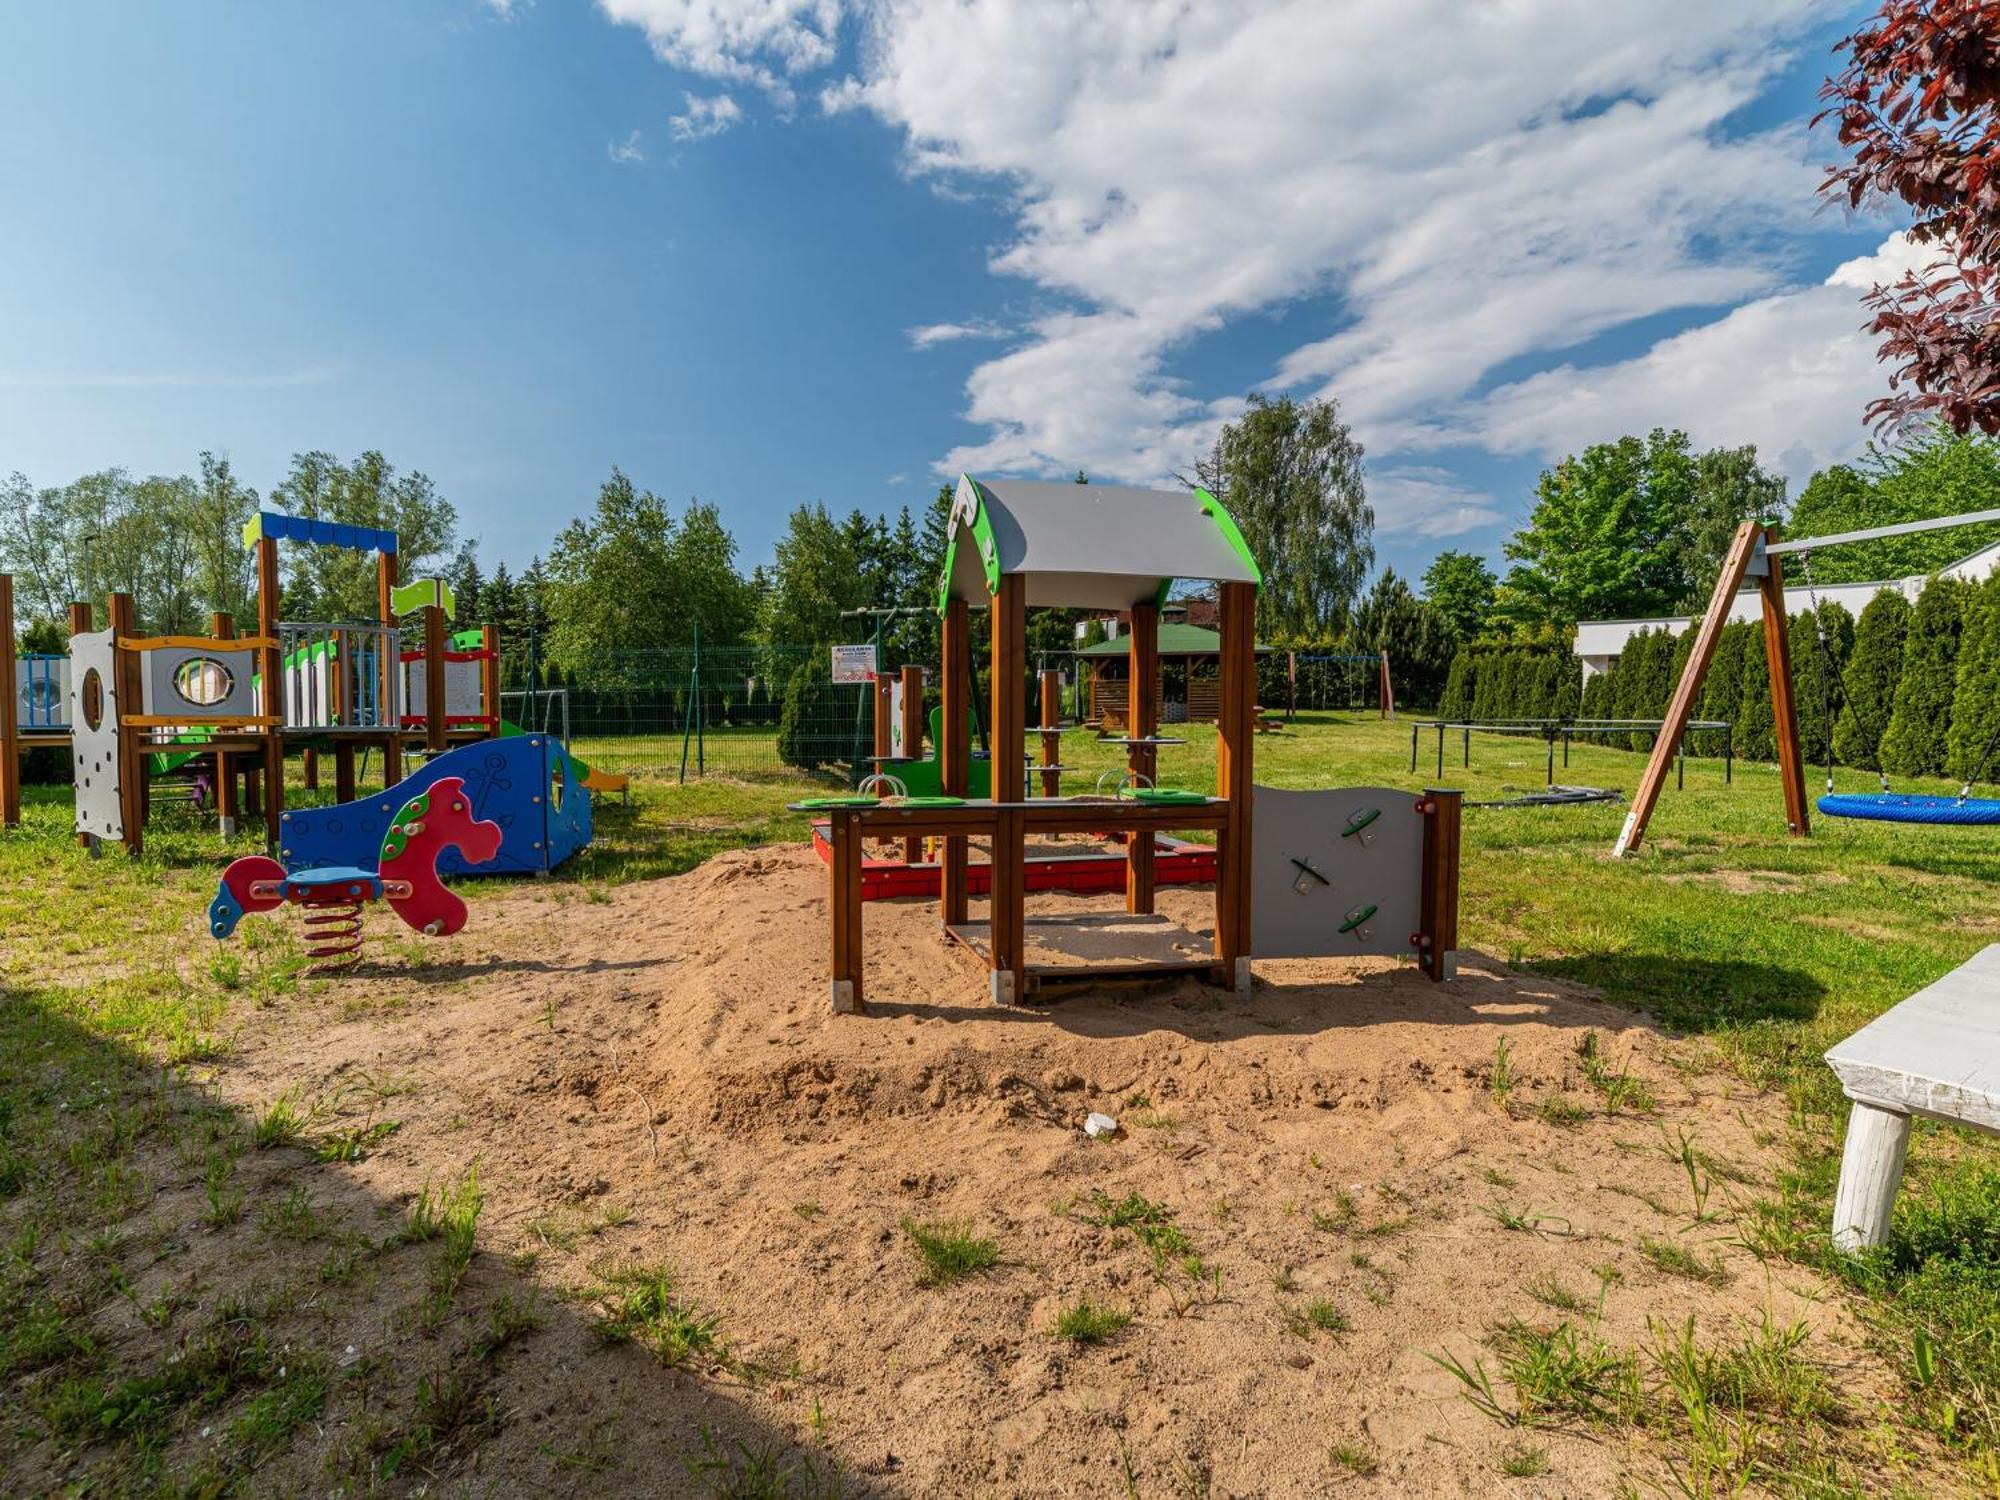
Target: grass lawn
(127, 1192)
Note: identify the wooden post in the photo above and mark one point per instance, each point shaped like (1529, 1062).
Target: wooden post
(222, 626)
(844, 899)
(1142, 722)
(1784, 703)
(489, 675)
(391, 671)
(913, 741)
(1007, 906)
(1735, 566)
(131, 751)
(955, 751)
(434, 668)
(274, 688)
(1871, 1170)
(309, 768)
(1236, 734)
(884, 720)
(1388, 690)
(343, 770)
(10, 716)
(1051, 743)
(1437, 905)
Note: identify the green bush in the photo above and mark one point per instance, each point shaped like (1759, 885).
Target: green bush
(1975, 706)
(1756, 739)
(1817, 674)
(1920, 723)
(815, 727)
(1870, 680)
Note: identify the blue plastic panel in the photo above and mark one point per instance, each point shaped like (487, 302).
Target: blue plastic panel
(524, 782)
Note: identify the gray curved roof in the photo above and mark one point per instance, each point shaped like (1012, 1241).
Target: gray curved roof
(1088, 546)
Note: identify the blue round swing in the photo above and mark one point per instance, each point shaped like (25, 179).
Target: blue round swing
(1901, 807)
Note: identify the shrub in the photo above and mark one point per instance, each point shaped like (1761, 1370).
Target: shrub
(1870, 680)
(1975, 706)
(1914, 742)
(812, 729)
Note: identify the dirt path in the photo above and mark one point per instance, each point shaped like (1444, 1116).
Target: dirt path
(1336, 1139)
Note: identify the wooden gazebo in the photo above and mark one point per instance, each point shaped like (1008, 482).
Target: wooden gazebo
(1016, 545)
(1108, 687)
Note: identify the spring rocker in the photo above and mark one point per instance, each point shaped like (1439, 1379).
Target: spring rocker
(333, 896)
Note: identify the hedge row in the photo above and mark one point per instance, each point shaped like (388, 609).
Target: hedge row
(1910, 690)
(1512, 682)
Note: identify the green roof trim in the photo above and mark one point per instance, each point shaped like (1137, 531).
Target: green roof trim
(1226, 524)
(408, 598)
(982, 534)
(1176, 639)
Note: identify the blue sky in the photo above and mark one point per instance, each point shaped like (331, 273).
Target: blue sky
(774, 251)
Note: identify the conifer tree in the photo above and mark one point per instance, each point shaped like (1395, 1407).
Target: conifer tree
(1973, 743)
(1870, 680)
(1919, 724)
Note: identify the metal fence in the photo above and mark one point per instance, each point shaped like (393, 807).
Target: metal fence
(730, 710)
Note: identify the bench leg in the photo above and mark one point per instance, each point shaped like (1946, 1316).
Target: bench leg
(1878, 1140)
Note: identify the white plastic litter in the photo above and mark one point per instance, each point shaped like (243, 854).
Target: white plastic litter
(1099, 1125)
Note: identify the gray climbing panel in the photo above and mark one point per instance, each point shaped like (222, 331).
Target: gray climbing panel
(202, 683)
(93, 718)
(1335, 872)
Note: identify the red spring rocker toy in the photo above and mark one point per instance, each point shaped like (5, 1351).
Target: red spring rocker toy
(333, 895)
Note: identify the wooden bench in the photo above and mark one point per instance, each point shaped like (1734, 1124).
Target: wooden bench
(1938, 1055)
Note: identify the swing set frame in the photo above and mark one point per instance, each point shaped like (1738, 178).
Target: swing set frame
(1756, 554)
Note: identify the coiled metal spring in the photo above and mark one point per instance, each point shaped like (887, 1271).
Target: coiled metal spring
(333, 937)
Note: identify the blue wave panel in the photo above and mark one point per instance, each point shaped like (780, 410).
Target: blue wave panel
(524, 782)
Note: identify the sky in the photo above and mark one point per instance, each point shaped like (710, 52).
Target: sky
(772, 252)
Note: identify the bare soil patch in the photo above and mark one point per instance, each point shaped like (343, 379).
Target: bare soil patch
(1334, 1138)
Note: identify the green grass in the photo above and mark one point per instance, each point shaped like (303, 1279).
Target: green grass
(949, 1252)
(1088, 1322)
(1761, 948)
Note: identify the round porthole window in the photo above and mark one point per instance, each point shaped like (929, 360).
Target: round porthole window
(92, 695)
(203, 681)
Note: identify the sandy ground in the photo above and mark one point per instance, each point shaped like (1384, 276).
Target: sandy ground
(670, 1051)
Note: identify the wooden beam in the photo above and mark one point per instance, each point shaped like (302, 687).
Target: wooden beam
(222, 626)
(1142, 721)
(343, 770)
(435, 730)
(10, 716)
(1735, 567)
(884, 720)
(489, 674)
(1051, 743)
(1007, 900)
(1784, 702)
(268, 598)
(1437, 903)
(913, 740)
(844, 911)
(389, 694)
(955, 752)
(1235, 739)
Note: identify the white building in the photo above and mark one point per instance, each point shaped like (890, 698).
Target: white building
(1599, 642)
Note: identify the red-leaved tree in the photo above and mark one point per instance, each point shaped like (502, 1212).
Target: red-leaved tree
(1919, 106)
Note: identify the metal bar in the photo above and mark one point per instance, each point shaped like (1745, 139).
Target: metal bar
(1901, 528)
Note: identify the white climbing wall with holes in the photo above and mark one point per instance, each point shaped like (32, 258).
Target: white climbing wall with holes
(1335, 872)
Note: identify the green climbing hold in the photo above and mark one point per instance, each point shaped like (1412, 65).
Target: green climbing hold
(1355, 919)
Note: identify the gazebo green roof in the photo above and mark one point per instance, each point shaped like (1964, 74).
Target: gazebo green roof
(1175, 640)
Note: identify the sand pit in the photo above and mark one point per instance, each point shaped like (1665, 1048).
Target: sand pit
(1335, 1138)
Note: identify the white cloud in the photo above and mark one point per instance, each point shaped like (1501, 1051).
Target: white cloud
(507, 10)
(1427, 502)
(1458, 186)
(628, 152)
(897, 479)
(1791, 372)
(945, 333)
(761, 42)
(705, 118)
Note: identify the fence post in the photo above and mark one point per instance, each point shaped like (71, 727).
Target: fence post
(700, 710)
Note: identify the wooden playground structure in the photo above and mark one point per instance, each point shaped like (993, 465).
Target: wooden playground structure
(1015, 545)
(133, 708)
